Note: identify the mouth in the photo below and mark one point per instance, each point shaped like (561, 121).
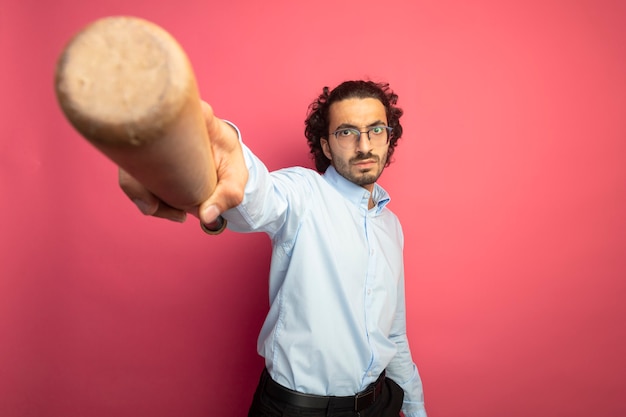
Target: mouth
(364, 163)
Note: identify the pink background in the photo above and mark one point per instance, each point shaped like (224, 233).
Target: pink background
(510, 182)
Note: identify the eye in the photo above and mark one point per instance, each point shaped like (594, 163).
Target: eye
(377, 130)
(345, 132)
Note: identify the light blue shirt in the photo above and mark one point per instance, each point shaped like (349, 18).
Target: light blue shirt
(337, 306)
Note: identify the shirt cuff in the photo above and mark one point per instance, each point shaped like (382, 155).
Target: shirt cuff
(234, 126)
(418, 413)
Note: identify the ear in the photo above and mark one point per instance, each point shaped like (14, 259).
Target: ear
(326, 148)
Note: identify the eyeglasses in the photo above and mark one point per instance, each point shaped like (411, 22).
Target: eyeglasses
(348, 137)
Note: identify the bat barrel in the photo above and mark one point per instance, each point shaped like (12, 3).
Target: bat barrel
(127, 86)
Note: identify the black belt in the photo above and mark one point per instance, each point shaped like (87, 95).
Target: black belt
(357, 402)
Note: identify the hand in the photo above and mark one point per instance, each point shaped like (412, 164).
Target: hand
(232, 175)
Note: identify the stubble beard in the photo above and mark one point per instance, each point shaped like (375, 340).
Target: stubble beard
(363, 177)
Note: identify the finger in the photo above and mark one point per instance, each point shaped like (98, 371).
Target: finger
(146, 202)
(170, 213)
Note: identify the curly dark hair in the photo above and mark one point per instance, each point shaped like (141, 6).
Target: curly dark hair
(317, 121)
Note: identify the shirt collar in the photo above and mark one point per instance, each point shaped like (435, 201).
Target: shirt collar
(356, 194)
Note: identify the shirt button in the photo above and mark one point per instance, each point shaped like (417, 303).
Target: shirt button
(369, 291)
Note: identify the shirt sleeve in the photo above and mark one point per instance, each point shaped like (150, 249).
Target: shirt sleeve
(269, 198)
(402, 370)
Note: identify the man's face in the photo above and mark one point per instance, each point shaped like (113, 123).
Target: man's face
(360, 163)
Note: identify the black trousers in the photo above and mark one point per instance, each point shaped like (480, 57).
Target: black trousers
(387, 405)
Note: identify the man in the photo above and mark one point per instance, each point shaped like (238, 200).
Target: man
(334, 340)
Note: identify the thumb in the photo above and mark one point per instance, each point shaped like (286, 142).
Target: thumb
(224, 197)
(209, 214)
(210, 217)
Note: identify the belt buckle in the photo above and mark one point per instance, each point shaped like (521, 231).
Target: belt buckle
(364, 395)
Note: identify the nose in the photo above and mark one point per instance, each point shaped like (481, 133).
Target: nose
(363, 144)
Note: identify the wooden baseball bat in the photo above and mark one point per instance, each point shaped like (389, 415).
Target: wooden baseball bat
(127, 86)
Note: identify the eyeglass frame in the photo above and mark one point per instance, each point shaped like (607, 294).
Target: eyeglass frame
(354, 130)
